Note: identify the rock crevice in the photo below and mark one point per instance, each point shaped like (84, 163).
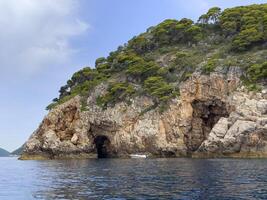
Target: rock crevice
(213, 117)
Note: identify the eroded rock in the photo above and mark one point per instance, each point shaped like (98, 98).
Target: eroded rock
(212, 117)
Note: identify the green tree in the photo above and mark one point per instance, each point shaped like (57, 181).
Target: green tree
(245, 38)
(203, 19)
(116, 92)
(257, 72)
(214, 14)
(100, 61)
(158, 88)
(246, 24)
(173, 31)
(140, 44)
(141, 70)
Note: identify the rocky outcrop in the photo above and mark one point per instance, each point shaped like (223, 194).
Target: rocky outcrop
(214, 116)
(243, 133)
(62, 133)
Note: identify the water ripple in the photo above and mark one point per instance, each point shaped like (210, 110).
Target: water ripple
(119, 179)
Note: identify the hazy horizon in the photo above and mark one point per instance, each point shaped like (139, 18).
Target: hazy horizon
(43, 42)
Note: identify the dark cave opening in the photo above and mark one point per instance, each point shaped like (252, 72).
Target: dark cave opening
(209, 112)
(102, 144)
(205, 115)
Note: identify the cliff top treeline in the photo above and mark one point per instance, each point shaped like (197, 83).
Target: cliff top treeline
(157, 61)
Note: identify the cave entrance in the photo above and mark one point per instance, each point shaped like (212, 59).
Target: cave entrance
(205, 115)
(102, 144)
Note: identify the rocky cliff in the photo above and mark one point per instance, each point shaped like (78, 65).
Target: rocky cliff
(179, 89)
(212, 117)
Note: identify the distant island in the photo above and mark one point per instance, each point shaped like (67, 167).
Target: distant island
(180, 89)
(17, 152)
(4, 153)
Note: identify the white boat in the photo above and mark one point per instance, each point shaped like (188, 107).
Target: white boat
(138, 156)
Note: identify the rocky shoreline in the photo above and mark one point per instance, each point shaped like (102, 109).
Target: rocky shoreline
(215, 116)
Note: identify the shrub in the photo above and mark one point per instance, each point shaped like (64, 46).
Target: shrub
(247, 25)
(257, 71)
(60, 101)
(140, 44)
(253, 87)
(100, 61)
(134, 65)
(81, 83)
(193, 34)
(115, 93)
(245, 38)
(86, 74)
(173, 31)
(182, 59)
(158, 88)
(142, 69)
(210, 66)
(250, 85)
(124, 60)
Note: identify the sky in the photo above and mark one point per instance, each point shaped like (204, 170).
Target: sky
(43, 42)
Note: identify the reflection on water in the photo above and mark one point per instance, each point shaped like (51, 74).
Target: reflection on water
(133, 179)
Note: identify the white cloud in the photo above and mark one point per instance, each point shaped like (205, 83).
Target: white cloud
(37, 33)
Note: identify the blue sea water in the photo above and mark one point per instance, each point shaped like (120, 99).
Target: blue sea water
(188, 179)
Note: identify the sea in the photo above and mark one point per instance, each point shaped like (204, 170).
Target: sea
(119, 179)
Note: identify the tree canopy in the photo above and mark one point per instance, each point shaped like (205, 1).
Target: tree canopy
(140, 66)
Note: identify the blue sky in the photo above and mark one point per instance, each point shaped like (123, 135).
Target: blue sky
(44, 41)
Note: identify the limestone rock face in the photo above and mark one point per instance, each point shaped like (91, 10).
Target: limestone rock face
(62, 132)
(213, 116)
(243, 133)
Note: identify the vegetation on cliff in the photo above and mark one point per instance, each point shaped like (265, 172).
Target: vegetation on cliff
(157, 61)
